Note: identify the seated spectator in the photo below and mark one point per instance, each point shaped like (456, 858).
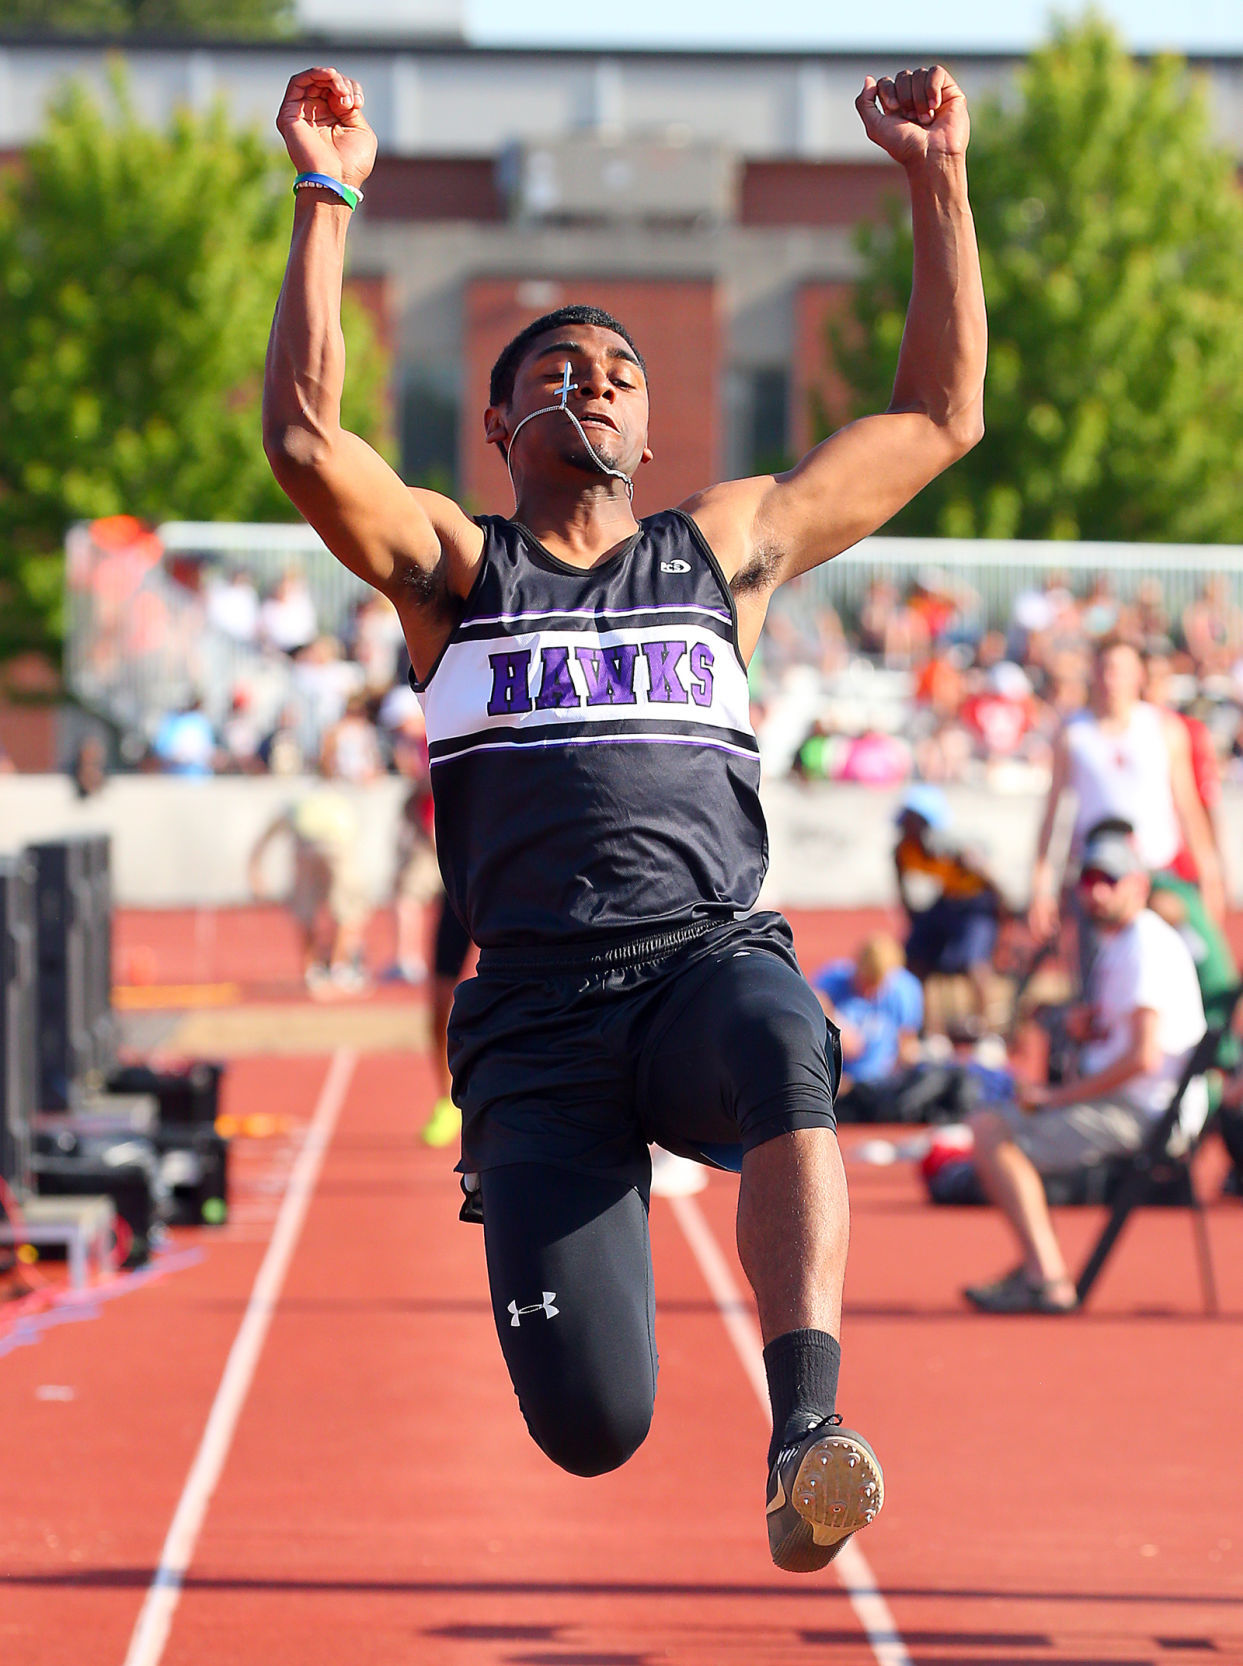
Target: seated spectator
(1150, 618)
(875, 759)
(955, 932)
(1100, 610)
(819, 757)
(350, 750)
(878, 1007)
(990, 650)
(904, 636)
(949, 608)
(1034, 614)
(233, 606)
(1067, 678)
(185, 743)
(931, 598)
(1061, 633)
(943, 753)
(287, 619)
(939, 683)
(999, 716)
(880, 604)
(375, 642)
(280, 751)
(834, 648)
(323, 681)
(1142, 1020)
(240, 735)
(1212, 627)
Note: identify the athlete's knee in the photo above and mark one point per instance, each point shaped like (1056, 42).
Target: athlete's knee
(591, 1440)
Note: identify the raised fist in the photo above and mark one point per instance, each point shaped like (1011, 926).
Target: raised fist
(916, 114)
(322, 123)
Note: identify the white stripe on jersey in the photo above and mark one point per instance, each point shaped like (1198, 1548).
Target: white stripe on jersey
(694, 677)
(595, 613)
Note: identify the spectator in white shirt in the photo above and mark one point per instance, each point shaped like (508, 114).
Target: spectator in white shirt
(1144, 1018)
(287, 619)
(233, 606)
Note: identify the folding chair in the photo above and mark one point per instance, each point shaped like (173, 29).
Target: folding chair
(1164, 1158)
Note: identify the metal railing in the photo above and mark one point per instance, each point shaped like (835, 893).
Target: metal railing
(139, 645)
(997, 570)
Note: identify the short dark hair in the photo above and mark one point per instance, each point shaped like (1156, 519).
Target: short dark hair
(505, 370)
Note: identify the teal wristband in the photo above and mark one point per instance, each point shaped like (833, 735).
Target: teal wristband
(347, 193)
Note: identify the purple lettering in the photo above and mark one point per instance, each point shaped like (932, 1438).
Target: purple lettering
(662, 668)
(701, 670)
(556, 687)
(509, 683)
(609, 673)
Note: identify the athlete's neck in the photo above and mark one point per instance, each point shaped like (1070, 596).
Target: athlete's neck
(583, 529)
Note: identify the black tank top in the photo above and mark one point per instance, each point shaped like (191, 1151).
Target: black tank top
(594, 769)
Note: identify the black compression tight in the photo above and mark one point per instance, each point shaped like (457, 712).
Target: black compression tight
(570, 1271)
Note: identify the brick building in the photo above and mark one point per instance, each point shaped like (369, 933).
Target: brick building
(707, 198)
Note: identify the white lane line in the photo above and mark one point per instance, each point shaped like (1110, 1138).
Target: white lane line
(164, 1592)
(850, 1565)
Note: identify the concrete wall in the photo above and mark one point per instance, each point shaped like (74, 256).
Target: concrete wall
(177, 843)
(181, 842)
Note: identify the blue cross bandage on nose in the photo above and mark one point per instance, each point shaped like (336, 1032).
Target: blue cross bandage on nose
(566, 389)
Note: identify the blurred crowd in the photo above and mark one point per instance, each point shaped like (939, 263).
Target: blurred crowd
(349, 701)
(914, 683)
(920, 686)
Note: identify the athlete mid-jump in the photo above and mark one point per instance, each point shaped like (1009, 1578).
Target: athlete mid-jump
(597, 813)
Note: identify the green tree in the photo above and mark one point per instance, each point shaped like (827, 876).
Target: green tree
(138, 274)
(1111, 236)
(232, 19)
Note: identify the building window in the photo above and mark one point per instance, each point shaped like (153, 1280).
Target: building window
(429, 430)
(768, 426)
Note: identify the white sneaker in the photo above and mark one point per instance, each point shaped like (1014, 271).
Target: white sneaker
(674, 1176)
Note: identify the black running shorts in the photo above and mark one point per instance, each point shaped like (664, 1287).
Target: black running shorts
(451, 943)
(706, 1040)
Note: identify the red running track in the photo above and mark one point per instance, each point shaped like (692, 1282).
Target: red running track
(1060, 1491)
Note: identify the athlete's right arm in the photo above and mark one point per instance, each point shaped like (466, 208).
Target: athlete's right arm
(416, 547)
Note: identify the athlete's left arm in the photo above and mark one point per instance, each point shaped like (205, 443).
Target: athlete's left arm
(771, 528)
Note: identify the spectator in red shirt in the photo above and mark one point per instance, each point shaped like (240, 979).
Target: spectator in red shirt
(999, 716)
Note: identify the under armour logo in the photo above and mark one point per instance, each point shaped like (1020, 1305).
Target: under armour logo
(675, 566)
(545, 1307)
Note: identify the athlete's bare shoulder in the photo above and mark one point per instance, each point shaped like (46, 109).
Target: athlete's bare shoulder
(727, 514)
(460, 539)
